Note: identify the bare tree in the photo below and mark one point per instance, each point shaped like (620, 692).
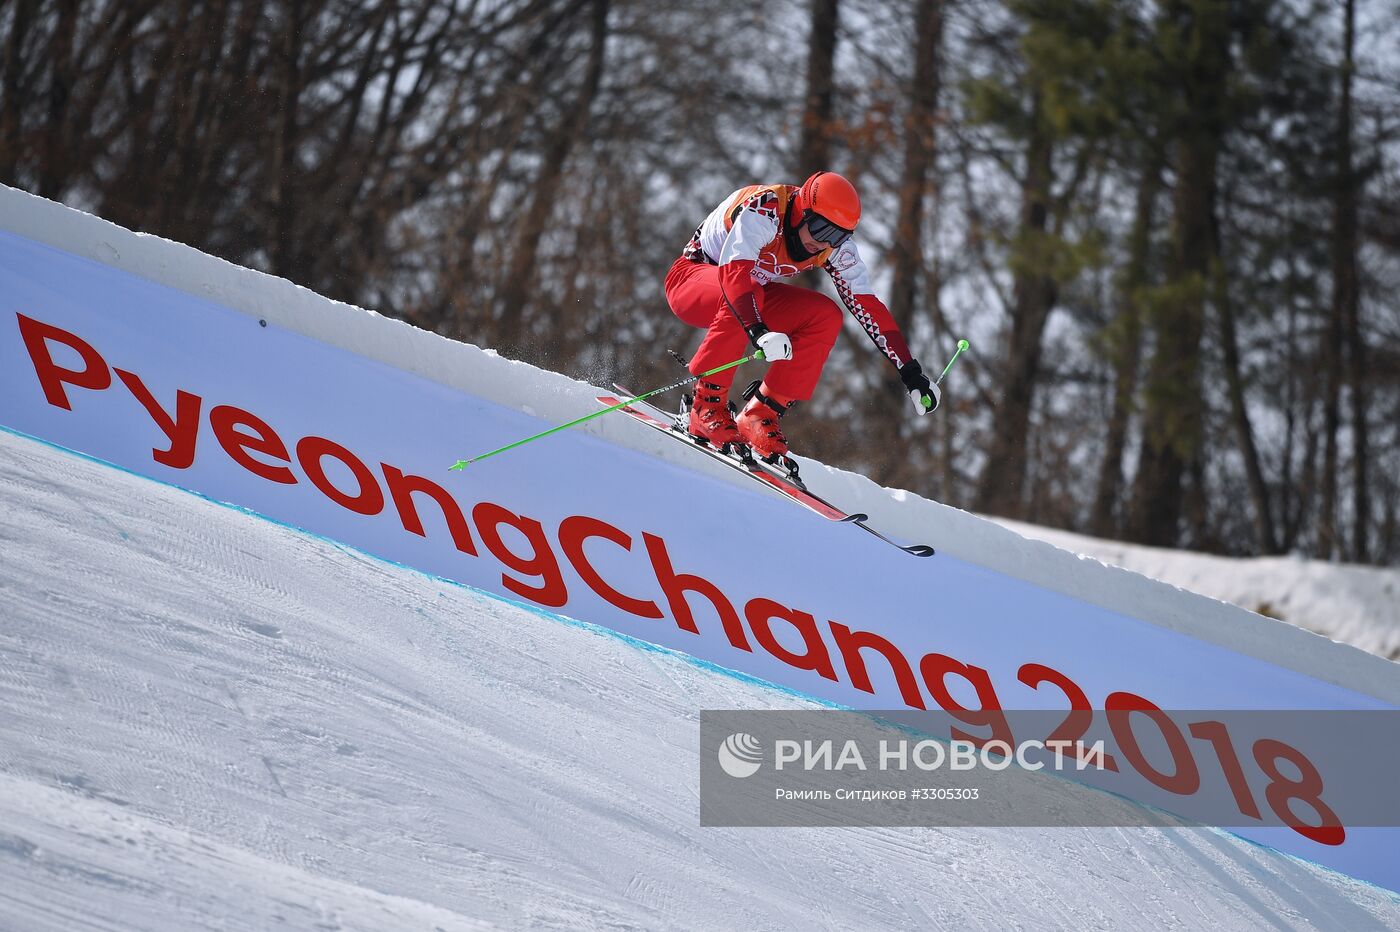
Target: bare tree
(1265, 539)
(1172, 419)
(520, 272)
(814, 148)
(1000, 489)
(1346, 292)
(1124, 344)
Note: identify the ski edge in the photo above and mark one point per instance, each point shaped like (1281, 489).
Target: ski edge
(800, 496)
(803, 497)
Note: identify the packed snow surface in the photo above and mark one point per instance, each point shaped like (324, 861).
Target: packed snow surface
(1357, 605)
(208, 720)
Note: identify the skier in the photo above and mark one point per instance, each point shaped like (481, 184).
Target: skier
(724, 282)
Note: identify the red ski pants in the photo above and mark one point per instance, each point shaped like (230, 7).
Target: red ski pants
(810, 319)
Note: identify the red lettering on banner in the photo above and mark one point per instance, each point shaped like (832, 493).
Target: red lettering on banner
(402, 487)
(936, 668)
(94, 375)
(1185, 777)
(253, 444)
(182, 430)
(1283, 790)
(1069, 732)
(851, 643)
(761, 612)
(1219, 737)
(542, 563)
(675, 586)
(573, 531)
(367, 500)
(226, 421)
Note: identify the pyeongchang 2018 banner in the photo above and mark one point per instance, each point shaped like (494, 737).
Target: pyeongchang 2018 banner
(187, 392)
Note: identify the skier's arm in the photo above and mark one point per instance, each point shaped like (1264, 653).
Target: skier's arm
(754, 226)
(852, 280)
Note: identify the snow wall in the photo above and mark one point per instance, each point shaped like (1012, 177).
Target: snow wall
(248, 389)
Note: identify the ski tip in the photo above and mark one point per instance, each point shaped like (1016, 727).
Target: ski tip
(919, 550)
(459, 465)
(856, 518)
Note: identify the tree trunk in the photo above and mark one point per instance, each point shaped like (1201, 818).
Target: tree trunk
(284, 193)
(814, 152)
(1307, 485)
(1000, 488)
(919, 151)
(907, 249)
(1172, 414)
(205, 188)
(516, 289)
(1390, 523)
(1293, 496)
(814, 148)
(1125, 348)
(1346, 296)
(14, 92)
(57, 159)
(1264, 537)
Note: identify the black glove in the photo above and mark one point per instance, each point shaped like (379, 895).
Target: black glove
(922, 392)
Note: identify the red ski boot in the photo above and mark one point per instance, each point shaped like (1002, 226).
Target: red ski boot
(710, 420)
(758, 425)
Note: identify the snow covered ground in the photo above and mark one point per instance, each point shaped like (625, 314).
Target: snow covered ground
(208, 720)
(1357, 605)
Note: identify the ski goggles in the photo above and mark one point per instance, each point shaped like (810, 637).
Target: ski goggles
(824, 231)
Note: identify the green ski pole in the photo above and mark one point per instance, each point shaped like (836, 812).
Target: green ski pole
(463, 464)
(962, 345)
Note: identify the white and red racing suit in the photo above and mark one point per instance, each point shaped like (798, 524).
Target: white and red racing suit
(725, 282)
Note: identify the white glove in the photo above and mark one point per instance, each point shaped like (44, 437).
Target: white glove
(918, 396)
(776, 346)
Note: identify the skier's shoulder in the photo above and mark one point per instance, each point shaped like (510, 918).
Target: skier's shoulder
(845, 259)
(768, 200)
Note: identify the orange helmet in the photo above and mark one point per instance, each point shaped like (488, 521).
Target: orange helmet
(830, 196)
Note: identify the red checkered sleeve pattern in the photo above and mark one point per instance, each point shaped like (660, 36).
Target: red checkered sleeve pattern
(874, 318)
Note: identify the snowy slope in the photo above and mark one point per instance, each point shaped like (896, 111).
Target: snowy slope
(1357, 605)
(211, 721)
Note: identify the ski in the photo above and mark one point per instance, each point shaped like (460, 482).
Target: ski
(791, 488)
